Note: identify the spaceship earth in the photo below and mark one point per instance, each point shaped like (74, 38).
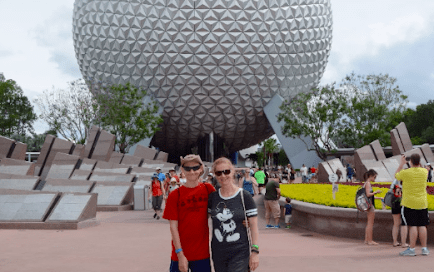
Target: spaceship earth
(211, 65)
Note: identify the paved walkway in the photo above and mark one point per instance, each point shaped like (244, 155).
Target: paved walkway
(134, 241)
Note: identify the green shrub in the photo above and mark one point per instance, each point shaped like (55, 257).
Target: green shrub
(322, 194)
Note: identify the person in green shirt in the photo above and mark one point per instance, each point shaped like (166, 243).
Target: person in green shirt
(414, 202)
(260, 177)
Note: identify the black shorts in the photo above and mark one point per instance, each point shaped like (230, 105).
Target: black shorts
(231, 260)
(396, 207)
(414, 218)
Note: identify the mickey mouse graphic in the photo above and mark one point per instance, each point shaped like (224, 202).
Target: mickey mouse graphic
(227, 225)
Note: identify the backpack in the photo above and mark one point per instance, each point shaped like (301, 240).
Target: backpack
(389, 198)
(362, 201)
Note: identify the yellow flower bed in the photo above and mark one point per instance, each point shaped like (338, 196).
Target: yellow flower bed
(322, 194)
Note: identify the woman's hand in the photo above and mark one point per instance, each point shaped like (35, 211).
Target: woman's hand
(378, 191)
(254, 261)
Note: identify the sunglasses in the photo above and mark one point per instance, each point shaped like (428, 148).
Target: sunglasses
(219, 173)
(194, 168)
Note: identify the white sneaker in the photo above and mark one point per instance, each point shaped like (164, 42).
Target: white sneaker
(408, 252)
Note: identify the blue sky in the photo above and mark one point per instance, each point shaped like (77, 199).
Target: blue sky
(381, 36)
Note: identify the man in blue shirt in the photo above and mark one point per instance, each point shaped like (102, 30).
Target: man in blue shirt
(161, 176)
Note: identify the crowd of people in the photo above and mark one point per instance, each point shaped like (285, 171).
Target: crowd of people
(225, 195)
(409, 208)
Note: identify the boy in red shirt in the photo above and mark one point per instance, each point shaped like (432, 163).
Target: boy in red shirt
(187, 211)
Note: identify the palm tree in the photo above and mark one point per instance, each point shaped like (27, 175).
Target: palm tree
(270, 146)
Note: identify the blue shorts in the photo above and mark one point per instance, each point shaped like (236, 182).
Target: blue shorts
(194, 266)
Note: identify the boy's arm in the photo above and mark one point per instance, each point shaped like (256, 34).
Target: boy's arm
(183, 262)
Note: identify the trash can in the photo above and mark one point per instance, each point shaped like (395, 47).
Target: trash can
(141, 197)
(148, 204)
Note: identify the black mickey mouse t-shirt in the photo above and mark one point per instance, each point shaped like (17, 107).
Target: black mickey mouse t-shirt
(227, 215)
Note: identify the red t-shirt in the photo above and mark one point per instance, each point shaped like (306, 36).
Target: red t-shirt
(313, 170)
(156, 188)
(189, 206)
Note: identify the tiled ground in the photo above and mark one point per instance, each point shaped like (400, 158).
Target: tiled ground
(134, 241)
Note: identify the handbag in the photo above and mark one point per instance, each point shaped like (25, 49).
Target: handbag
(249, 234)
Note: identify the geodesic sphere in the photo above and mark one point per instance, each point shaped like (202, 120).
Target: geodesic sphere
(211, 64)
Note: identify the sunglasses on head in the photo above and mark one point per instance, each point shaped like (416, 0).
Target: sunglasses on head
(194, 168)
(219, 173)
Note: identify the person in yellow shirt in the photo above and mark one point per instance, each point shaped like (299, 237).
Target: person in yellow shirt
(414, 212)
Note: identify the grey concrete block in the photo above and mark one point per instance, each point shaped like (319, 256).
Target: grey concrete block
(112, 194)
(145, 152)
(69, 208)
(45, 150)
(104, 146)
(427, 152)
(116, 157)
(110, 177)
(19, 152)
(87, 164)
(404, 136)
(5, 146)
(397, 147)
(19, 183)
(81, 174)
(25, 206)
(16, 167)
(378, 150)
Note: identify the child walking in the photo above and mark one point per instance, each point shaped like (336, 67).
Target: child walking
(288, 213)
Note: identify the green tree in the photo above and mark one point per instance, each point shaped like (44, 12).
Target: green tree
(376, 106)
(420, 123)
(16, 112)
(359, 111)
(34, 141)
(271, 147)
(282, 158)
(124, 111)
(428, 135)
(260, 158)
(253, 157)
(68, 111)
(315, 114)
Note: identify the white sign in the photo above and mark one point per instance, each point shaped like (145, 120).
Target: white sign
(333, 178)
(335, 189)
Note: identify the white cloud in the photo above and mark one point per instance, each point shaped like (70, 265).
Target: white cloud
(412, 105)
(365, 28)
(55, 33)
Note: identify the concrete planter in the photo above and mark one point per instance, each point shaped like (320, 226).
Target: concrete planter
(344, 222)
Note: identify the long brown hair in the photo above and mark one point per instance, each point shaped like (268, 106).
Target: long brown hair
(369, 173)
